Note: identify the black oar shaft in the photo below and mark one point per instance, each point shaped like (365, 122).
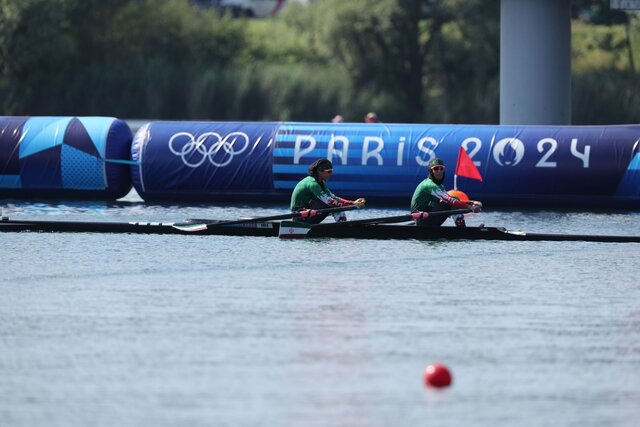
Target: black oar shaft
(304, 213)
(399, 218)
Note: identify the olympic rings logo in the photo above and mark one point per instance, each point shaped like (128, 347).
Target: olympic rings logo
(195, 151)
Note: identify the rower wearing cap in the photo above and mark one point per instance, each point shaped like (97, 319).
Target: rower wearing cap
(312, 193)
(430, 196)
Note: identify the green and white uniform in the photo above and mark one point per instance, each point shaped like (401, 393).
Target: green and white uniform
(432, 197)
(428, 195)
(310, 194)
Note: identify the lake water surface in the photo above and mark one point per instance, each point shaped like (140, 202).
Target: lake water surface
(144, 330)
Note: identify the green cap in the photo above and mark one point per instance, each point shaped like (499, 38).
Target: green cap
(435, 162)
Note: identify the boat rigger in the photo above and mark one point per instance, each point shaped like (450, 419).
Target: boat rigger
(344, 230)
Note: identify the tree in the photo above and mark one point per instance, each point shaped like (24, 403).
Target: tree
(412, 50)
(93, 56)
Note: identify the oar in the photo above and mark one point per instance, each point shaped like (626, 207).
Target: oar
(293, 230)
(204, 224)
(399, 218)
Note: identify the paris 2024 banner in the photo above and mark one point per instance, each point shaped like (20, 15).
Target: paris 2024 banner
(561, 166)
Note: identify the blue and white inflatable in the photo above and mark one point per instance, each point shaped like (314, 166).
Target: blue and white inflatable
(64, 157)
(550, 166)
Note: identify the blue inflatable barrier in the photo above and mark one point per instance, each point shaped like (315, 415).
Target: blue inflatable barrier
(550, 166)
(64, 157)
(204, 161)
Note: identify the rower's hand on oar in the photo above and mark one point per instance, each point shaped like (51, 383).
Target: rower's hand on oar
(475, 206)
(359, 202)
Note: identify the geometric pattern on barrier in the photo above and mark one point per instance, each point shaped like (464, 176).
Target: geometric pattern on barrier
(76, 136)
(81, 171)
(41, 134)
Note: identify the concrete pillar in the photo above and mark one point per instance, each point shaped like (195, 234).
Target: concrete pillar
(535, 62)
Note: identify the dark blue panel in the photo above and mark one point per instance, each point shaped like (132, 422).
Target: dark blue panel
(118, 148)
(42, 169)
(575, 161)
(10, 133)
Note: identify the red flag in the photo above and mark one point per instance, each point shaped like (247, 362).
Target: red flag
(466, 167)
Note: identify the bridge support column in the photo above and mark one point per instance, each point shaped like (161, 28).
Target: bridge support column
(535, 62)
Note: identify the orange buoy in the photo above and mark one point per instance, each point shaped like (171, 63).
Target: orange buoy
(437, 375)
(460, 195)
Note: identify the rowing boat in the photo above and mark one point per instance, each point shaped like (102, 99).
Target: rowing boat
(329, 230)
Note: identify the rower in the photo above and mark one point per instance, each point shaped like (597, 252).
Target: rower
(430, 196)
(312, 193)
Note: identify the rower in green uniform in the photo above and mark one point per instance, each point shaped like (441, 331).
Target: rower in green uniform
(430, 196)
(312, 193)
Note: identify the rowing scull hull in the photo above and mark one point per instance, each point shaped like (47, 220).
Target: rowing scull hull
(330, 230)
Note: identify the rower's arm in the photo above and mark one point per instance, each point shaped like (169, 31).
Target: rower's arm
(456, 203)
(327, 197)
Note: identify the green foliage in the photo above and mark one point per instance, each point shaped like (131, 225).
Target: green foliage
(414, 57)
(597, 47)
(264, 91)
(273, 40)
(89, 56)
(431, 61)
(465, 82)
(604, 65)
(353, 33)
(605, 97)
(175, 30)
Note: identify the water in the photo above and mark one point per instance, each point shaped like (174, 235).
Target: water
(135, 330)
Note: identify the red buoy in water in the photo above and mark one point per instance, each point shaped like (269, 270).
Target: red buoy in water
(437, 375)
(460, 195)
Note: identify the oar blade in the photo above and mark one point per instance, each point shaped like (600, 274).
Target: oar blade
(293, 230)
(189, 227)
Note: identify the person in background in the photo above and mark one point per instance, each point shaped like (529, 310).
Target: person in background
(312, 193)
(371, 118)
(337, 119)
(430, 196)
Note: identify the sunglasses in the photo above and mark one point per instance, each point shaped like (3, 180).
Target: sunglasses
(439, 168)
(328, 171)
